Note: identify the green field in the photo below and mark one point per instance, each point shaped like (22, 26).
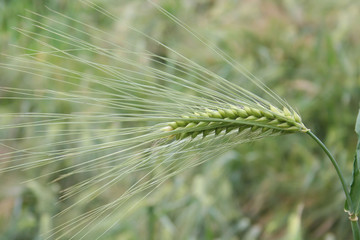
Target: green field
(276, 188)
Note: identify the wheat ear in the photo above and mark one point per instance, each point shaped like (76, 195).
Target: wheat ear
(236, 118)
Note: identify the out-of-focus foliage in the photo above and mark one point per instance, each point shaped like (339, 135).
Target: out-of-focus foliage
(277, 188)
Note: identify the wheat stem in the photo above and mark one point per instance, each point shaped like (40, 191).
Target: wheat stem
(354, 223)
(355, 229)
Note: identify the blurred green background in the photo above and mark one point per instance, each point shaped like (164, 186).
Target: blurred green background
(277, 188)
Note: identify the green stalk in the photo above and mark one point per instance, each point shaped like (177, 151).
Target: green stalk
(354, 224)
(355, 230)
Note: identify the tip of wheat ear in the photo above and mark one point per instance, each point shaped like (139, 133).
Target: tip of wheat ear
(241, 118)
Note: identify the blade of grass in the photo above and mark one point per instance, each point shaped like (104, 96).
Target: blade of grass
(355, 184)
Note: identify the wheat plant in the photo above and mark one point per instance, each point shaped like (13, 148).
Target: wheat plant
(110, 131)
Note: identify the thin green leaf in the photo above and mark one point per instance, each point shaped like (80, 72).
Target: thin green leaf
(355, 185)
